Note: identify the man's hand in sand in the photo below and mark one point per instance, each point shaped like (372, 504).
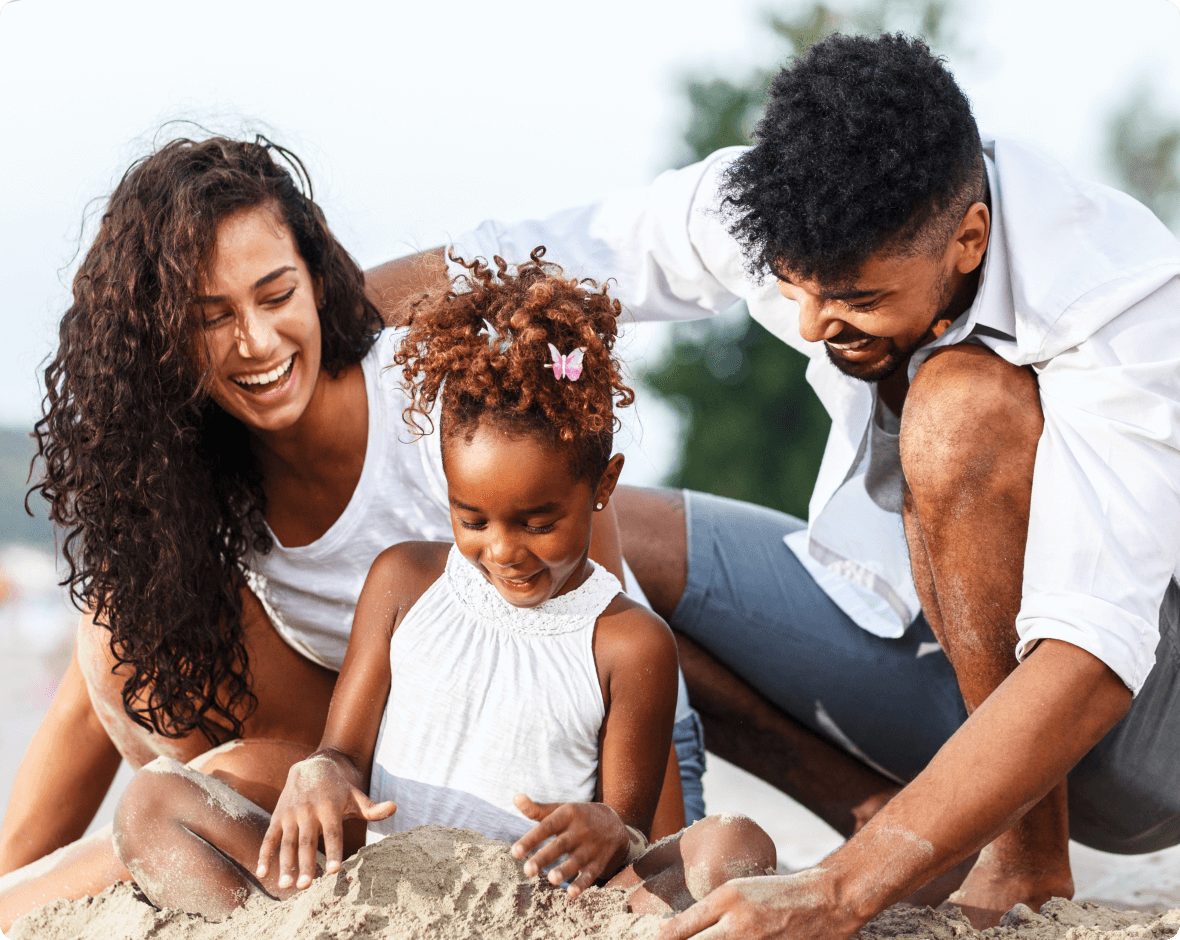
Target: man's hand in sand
(319, 795)
(759, 909)
(591, 834)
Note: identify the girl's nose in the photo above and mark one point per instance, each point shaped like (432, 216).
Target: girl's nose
(503, 551)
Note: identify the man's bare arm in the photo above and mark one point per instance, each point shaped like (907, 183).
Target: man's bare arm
(394, 285)
(1052, 709)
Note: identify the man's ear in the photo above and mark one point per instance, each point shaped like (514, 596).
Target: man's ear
(970, 241)
(608, 481)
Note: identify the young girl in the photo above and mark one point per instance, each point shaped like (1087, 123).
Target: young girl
(509, 662)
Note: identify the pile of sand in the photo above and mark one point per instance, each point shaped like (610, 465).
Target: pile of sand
(429, 883)
(1058, 920)
(455, 884)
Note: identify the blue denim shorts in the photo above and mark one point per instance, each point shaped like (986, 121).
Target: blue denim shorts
(688, 736)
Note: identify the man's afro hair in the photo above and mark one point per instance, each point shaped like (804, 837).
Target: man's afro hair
(866, 143)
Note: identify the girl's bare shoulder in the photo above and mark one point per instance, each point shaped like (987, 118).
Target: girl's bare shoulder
(404, 571)
(630, 631)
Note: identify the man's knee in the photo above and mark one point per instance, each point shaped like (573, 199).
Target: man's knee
(970, 417)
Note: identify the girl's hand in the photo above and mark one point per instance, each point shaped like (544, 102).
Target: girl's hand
(591, 834)
(317, 798)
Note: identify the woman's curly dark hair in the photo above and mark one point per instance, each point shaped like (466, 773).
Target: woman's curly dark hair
(866, 144)
(154, 484)
(483, 345)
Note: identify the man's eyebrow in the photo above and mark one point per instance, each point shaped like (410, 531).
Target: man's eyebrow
(261, 282)
(848, 293)
(837, 293)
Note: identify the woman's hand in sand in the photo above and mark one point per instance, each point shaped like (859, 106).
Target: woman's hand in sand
(319, 795)
(591, 834)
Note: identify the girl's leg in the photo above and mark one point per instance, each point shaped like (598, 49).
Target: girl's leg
(678, 871)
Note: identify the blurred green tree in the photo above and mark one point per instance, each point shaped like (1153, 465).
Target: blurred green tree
(753, 428)
(1143, 150)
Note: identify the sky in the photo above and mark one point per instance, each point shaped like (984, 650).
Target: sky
(417, 121)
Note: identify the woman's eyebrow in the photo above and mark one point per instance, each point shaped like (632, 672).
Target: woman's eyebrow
(261, 282)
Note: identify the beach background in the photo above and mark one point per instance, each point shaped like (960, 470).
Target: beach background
(416, 124)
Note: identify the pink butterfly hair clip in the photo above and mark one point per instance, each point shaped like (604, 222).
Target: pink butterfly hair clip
(566, 367)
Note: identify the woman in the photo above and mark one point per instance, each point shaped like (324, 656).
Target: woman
(222, 448)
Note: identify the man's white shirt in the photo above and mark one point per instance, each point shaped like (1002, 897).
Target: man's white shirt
(1080, 282)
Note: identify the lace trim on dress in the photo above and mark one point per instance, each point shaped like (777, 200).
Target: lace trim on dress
(563, 614)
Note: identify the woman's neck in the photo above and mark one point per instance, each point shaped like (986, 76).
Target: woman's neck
(311, 469)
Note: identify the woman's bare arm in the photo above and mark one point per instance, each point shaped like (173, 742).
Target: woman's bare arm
(62, 779)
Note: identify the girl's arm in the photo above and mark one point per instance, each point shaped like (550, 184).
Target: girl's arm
(636, 658)
(70, 754)
(332, 785)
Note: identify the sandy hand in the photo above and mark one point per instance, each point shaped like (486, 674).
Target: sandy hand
(591, 834)
(763, 908)
(317, 798)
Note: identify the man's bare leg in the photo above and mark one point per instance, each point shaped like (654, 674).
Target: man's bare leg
(969, 436)
(741, 725)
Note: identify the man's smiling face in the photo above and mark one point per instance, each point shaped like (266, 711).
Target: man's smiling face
(871, 325)
(896, 303)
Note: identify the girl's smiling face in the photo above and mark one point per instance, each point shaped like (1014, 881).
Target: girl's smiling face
(519, 513)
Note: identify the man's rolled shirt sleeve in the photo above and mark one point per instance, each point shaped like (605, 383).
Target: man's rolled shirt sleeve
(1104, 527)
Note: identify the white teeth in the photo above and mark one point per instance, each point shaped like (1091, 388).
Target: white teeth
(855, 344)
(265, 378)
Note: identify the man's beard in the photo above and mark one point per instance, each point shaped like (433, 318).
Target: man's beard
(897, 357)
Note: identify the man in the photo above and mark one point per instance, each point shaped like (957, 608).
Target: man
(985, 587)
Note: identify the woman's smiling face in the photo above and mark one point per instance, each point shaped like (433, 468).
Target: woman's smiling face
(259, 306)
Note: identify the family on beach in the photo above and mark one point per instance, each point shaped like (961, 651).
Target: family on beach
(353, 556)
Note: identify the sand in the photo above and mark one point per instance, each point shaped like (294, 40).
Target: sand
(429, 883)
(1058, 920)
(455, 884)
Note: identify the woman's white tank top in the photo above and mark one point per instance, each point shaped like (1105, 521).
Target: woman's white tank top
(310, 592)
(486, 701)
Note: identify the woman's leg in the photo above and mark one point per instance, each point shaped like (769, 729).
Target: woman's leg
(293, 695)
(679, 871)
(191, 842)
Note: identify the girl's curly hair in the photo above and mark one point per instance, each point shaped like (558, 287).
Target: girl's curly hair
(482, 346)
(154, 484)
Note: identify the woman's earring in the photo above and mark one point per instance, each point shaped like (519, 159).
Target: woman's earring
(598, 505)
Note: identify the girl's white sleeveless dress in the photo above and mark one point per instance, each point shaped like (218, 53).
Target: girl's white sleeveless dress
(486, 701)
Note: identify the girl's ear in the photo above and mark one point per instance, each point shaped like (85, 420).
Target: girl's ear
(608, 481)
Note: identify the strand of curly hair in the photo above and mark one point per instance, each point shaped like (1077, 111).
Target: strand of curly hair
(155, 487)
(483, 345)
